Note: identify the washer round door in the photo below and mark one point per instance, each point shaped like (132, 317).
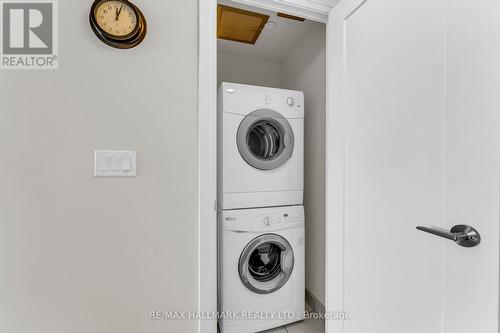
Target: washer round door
(265, 139)
(266, 263)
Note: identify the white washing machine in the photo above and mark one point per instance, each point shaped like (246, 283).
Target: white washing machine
(261, 268)
(260, 147)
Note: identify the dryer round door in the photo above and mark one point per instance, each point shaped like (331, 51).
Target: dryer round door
(266, 263)
(265, 139)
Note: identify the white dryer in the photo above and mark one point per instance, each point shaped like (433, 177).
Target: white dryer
(261, 268)
(260, 146)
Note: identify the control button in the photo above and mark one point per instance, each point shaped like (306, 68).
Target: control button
(290, 101)
(266, 221)
(267, 100)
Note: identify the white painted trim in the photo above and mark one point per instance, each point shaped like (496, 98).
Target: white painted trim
(335, 157)
(207, 163)
(303, 8)
(207, 90)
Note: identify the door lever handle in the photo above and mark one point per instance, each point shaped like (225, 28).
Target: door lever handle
(461, 234)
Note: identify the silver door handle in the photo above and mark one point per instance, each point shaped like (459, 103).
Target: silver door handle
(461, 234)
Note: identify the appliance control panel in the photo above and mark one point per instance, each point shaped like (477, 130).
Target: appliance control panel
(284, 101)
(273, 218)
(263, 219)
(244, 99)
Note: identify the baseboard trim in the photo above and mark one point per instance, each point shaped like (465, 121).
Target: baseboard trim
(313, 303)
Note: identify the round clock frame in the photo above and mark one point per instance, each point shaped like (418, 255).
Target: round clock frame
(128, 41)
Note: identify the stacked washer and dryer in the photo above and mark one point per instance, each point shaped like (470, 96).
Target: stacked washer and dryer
(261, 217)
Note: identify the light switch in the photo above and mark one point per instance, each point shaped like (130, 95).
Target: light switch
(112, 163)
(126, 164)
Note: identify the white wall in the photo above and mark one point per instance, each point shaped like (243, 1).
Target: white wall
(305, 69)
(248, 70)
(81, 254)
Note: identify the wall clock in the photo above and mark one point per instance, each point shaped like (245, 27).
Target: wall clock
(118, 23)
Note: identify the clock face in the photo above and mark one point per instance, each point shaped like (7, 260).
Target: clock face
(116, 18)
(118, 23)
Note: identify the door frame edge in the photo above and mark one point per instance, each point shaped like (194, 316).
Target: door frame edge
(207, 163)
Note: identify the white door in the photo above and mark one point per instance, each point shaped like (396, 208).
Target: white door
(413, 141)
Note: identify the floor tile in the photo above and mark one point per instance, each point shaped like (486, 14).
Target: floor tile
(275, 330)
(307, 326)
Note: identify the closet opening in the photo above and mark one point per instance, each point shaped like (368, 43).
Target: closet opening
(271, 78)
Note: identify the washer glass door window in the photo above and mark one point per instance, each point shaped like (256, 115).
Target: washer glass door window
(265, 139)
(266, 263)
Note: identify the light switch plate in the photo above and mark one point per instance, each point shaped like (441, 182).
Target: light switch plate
(114, 163)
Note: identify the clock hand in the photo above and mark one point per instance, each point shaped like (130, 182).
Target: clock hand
(118, 12)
